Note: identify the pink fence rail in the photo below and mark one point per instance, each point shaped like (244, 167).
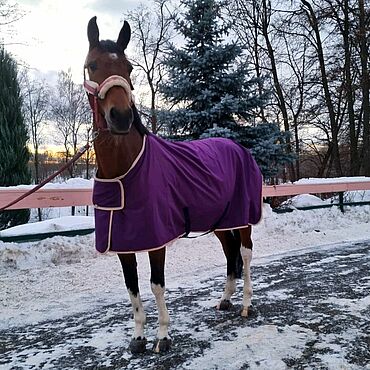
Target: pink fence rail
(45, 198)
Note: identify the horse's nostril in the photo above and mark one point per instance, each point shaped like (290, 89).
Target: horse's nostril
(114, 114)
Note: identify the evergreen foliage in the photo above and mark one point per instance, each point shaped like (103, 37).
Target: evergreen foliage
(268, 146)
(209, 85)
(207, 78)
(14, 154)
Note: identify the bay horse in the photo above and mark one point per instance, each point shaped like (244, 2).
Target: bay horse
(139, 197)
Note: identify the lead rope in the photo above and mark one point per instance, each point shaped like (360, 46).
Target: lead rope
(80, 153)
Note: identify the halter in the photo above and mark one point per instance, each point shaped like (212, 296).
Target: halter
(96, 91)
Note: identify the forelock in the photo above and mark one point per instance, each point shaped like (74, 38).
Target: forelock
(109, 46)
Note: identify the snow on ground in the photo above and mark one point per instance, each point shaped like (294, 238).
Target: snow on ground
(63, 275)
(331, 180)
(70, 183)
(66, 223)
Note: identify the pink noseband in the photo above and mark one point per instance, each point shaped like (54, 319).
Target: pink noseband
(96, 91)
(101, 90)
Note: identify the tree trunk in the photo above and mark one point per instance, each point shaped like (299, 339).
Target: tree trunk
(324, 79)
(277, 85)
(153, 113)
(365, 86)
(353, 137)
(37, 176)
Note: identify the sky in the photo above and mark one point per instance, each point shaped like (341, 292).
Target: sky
(52, 34)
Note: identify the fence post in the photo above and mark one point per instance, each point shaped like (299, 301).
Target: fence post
(341, 201)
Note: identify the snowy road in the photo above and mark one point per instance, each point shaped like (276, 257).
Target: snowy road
(311, 310)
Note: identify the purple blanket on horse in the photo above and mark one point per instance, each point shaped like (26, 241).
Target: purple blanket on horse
(174, 188)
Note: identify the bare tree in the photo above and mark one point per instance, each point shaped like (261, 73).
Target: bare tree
(255, 24)
(246, 18)
(347, 73)
(9, 14)
(71, 113)
(316, 40)
(151, 29)
(364, 44)
(35, 96)
(316, 53)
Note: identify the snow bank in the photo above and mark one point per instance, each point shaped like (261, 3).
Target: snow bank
(50, 252)
(331, 180)
(276, 233)
(76, 183)
(56, 224)
(304, 200)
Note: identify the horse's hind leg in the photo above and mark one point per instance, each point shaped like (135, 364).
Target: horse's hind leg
(157, 261)
(246, 252)
(231, 246)
(128, 262)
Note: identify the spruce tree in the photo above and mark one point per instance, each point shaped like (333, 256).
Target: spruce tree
(14, 154)
(207, 80)
(268, 146)
(209, 85)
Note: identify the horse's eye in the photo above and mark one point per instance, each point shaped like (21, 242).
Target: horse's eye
(92, 66)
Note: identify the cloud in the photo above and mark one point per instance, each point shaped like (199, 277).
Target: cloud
(114, 8)
(30, 2)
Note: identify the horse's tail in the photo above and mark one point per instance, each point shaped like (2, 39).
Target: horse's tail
(239, 259)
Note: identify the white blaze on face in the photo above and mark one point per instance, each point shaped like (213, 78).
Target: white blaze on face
(113, 56)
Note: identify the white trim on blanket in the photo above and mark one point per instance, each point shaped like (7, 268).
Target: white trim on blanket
(110, 231)
(122, 197)
(137, 158)
(118, 180)
(107, 251)
(134, 163)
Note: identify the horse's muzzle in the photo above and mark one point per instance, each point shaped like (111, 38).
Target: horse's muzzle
(119, 121)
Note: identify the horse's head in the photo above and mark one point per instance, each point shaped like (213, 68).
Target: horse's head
(109, 85)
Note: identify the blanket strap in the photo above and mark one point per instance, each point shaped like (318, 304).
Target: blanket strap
(188, 223)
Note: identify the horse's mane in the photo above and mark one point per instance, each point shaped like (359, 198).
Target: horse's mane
(137, 122)
(110, 46)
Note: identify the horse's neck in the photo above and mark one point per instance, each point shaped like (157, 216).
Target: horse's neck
(115, 154)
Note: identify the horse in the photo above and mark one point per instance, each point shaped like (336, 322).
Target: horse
(131, 219)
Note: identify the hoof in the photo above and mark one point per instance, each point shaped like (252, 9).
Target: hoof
(224, 305)
(247, 312)
(244, 312)
(162, 345)
(138, 345)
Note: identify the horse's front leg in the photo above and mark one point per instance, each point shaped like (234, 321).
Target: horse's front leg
(129, 268)
(157, 262)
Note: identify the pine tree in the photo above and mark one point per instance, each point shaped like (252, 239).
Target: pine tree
(207, 80)
(268, 146)
(209, 85)
(14, 154)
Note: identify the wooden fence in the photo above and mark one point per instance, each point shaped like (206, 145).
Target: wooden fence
(63, 197)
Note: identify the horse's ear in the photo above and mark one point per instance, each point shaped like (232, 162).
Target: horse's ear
(93, 33)
(124, 36)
